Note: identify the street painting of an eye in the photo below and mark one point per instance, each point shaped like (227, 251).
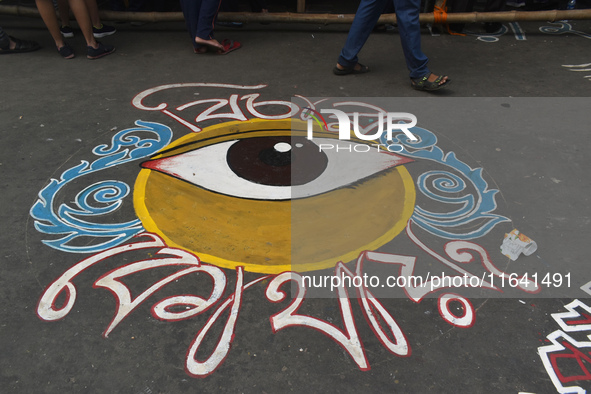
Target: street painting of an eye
(258, 194)
(276, 167)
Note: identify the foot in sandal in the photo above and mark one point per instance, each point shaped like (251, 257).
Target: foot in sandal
(430, 82)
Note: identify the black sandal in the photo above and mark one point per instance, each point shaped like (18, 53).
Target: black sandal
(424, 83)
(350, 70)
(21, 46)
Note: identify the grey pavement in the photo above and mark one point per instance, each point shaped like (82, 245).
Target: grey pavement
(518, 107)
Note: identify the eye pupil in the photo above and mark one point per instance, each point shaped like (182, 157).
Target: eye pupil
(268, 160)
(276, 158)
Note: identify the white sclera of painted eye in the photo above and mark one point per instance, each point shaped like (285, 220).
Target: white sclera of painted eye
(346, 163)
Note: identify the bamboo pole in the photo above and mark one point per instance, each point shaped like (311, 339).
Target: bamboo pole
(288, 17)
(301, 7)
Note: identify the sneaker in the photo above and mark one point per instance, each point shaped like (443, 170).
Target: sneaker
(66, 51)
(100, 51)
(67, 31)
(103, 31)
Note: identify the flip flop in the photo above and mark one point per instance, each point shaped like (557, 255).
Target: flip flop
(21, 46)
(229, 46)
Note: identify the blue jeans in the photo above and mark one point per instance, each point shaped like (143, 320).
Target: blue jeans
(407, 17)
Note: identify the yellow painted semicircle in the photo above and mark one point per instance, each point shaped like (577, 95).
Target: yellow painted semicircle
(269, 236)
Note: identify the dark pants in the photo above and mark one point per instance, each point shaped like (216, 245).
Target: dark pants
(4, 40)
(200, 17)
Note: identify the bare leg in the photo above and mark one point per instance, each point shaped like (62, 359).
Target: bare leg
(93, 11)
(83, 18)
(64, 9)
(49, 17)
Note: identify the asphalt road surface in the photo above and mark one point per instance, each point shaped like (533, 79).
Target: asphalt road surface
(121, 277)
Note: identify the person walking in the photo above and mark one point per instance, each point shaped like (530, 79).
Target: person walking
(200, 16)
(407, 18)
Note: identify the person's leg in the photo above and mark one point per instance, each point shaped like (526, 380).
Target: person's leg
(190, 10)
(47, 12)
(4, 40)
(64, 11)
(93, 11)
(208, 13)
(407, 18)
(83, 18)
(200, 26)
(94, 49)
(365, 19)
(99, 30)
(10, 44)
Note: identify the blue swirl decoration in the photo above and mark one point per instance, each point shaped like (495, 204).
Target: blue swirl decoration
(562, 28)
(474, 209)
(74, 223)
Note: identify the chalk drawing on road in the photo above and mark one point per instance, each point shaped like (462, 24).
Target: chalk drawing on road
(99, 199)
(558, 28)
(567, 359)
(248, 227)
(208, 192)
(587, 288)
(586, 68)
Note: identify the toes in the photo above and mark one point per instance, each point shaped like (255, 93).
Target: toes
(433, 78)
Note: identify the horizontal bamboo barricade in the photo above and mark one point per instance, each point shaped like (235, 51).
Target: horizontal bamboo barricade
(326, 19)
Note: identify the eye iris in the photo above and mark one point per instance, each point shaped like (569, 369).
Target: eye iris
(268, 160)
